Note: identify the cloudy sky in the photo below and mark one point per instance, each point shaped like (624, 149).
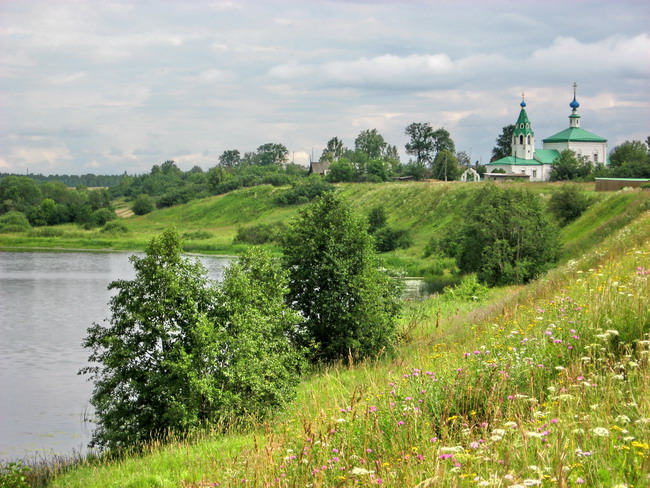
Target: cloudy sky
(90, 86)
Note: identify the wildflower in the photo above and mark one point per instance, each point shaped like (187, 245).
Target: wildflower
(580, 481)
(600, 432)
(532, 482)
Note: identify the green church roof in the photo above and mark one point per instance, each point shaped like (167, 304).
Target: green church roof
(575, 134)
(542, 156)
(523, 127)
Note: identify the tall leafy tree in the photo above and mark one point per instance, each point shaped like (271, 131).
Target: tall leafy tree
(270, 154)
(503, 146)
(445, 166)
(421, 144)
(569, 167)
(230, 158)
(442, 141)
(371, 143)
(631, 153)
(181, 353)
(334, 150)
(507, 237)
(348, 304)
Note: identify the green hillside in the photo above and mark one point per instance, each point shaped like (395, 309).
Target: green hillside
(537, 385)
(425, 209)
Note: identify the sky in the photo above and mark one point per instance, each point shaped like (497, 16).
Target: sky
(107, 87)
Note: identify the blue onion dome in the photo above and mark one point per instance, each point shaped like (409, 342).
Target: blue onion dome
(522, 104)
(574, 104)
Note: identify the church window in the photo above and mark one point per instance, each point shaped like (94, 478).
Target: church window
(528, 139)
(527, 125)
(521, 139)
(534, 173)
(595, 157)
(521, 126)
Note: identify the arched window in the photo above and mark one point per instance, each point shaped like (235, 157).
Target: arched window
(529, 140)
(521, 139)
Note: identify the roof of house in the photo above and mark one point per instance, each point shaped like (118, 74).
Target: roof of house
(575, 134)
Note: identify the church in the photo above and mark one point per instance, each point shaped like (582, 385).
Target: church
(532, 164)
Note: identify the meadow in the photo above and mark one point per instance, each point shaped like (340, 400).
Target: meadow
(542, 385)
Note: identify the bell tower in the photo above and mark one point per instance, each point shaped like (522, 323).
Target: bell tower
(523, 137)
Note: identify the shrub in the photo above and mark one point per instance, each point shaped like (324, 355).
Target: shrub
(143, 204)
(305, 192)
(198, 235)
(568, 204)
(115, 227)
(348, 304)
(14, 475)
(376, 219)
(260, 234)
(507, 237)
(181, 353)
(388, 239)
(14, 222)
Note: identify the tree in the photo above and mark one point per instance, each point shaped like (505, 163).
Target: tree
(463, 160)
(376, 219)
(272, 154)
(181, 353)
(342, 170)
(445, 166)
(442, 141)
(19, 193)
(421, 144)
(143, 204)
(503, 146)
(629, 152)
(568, 204)
(333, 151)
(569, 167)
(506, 238)
(371, 143)
(230, 158)
(349, 306)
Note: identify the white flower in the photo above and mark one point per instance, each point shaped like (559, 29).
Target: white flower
(498, 431)
(360, 472)
(532, 482)
(600, 432)
(510, 425)
(623, 419)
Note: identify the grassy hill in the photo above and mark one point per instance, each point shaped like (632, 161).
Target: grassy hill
(425, 209)
(542, 385)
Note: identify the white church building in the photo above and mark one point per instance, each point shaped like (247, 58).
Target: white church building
(535, 164)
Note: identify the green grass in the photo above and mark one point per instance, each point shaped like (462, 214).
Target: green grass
(542, 385)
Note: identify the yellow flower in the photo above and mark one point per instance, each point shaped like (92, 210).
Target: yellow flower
(640, 445)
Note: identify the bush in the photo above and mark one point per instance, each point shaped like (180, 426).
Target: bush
(115, 227)
(143, 204)
(348, 304)
(568, 204)
(181, 353)
(14, 222)
(507, 237)
(14, 475)
(388, 239)
(260, 234)
(198, 235)
(305, 192)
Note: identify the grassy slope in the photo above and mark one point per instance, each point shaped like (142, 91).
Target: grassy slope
(426, 209)
(572, 415)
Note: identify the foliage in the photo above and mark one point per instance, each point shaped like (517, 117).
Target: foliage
(388, 239)
(181, 353)
(469, 288)
(349, 306)
(570, 167)
(14, 475)
(271, 154)
(371, 143)
(230, 158)
(507, 237)
(503, 144)
(376, 218)
(333, 151)
(445, 166)
(14, 221)
(143, 204)
(342, 171)
(114, 227)
(421, 144)
(304, 192)
(630, 152)
(568, 203)
(260, 233)
(19, 193)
